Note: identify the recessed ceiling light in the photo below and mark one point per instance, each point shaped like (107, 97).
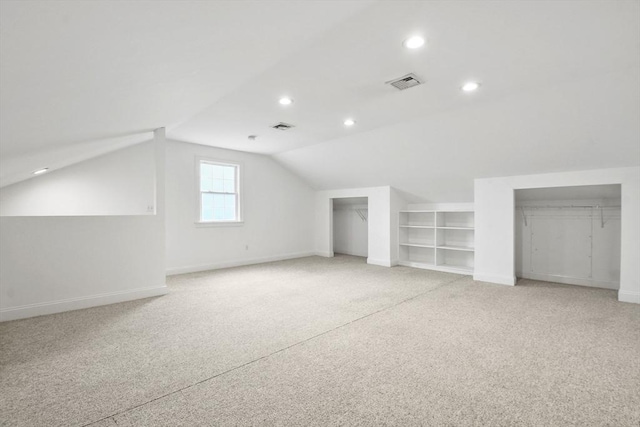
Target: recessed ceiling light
(39, 171)
(470, 86)
(413, 42)
(349, 122)
(286, 100)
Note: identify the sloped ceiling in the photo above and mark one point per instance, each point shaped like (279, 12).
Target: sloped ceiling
(560, 85)
(81, 77)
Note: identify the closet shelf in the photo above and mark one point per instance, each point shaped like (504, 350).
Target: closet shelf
(455, 228)
(418, 245)
(456, 248)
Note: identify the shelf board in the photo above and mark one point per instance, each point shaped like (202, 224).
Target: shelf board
(458, 269)
(417, 226)
(455, 228)
(452, 268)
(418, 245)
(417, 211)
(416, 264)
(456, 248)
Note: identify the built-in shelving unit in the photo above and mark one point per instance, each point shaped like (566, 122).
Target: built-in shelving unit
(437, 240)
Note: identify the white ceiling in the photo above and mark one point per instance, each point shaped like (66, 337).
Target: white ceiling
(560, 85)
(81, 73)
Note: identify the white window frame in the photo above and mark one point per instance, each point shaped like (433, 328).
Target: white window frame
(218, 223)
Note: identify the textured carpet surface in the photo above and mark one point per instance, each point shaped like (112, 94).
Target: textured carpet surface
(319, 341)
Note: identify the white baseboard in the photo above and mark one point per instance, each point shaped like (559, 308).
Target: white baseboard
(51, 307)
(239, 263)
(571, 280)
(500, 280)
(380, 262)
(627, 296)
(324, 254)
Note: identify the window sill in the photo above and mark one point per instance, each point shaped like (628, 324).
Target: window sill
(219, 223)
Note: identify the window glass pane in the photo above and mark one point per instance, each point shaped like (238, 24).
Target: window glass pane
(229, 186)
(207, 200)
(230, 212)
(229, 172)
(230, 200)
(218, 214)
(218, 201)
(218, 171)
(206, 184)
(218, 185)
(207, 214)
(206, 170)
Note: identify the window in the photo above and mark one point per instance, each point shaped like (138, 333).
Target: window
(219, 192)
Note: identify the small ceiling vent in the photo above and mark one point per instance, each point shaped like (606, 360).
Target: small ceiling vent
(405, 82)
(282, 126)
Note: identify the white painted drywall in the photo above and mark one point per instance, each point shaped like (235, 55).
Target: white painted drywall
(350, 231)
(379, 240)
(118, 183)
(568, 245)
(495, 227)
(53, 264)
(277, 213)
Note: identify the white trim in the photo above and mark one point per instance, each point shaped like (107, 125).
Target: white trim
(626, 296)
(500, 280)
(568, 280)
(228, 264)
(219, 223)
(380, 262)
(324, 254)
(239, 193)
(51, 307)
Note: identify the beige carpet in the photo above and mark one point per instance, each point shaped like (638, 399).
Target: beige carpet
(321, 341)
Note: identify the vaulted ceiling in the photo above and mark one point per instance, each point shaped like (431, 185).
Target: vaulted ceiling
(560, 86)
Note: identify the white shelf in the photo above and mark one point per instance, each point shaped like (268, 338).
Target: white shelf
(418, 245)
(458, 269)
(456, 248)
(450, 236)
(451, 268)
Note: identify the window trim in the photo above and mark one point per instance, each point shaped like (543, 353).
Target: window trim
(239, 191)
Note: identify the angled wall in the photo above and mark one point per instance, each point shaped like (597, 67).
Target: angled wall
(118, 183)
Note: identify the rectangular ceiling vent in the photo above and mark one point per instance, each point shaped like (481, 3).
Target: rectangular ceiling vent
(282, 126)
(405, 82)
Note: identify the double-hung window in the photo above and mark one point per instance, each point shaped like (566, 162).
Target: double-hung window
(219, 193)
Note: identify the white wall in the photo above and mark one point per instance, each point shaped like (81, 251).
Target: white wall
(118, 183)
(350, 231)
(398, 203)
(495, 228)
(53, 264)
(277, 212)
(568, 245)
(379, 240)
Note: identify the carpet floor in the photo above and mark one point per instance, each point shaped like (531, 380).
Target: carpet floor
(318, 341)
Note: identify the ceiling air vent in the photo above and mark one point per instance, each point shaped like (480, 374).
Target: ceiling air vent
(282, 126)
(405, 82)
